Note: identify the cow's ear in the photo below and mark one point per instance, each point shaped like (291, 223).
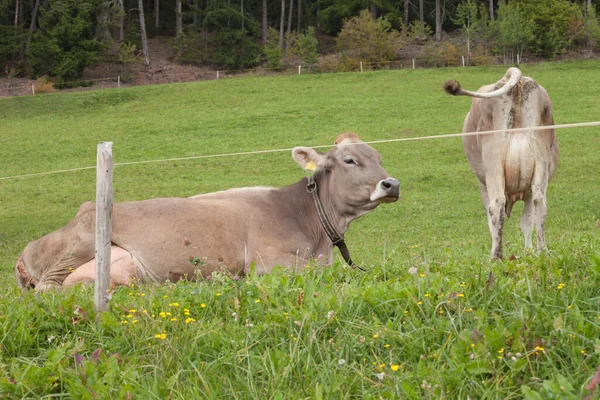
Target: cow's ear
(308, 158)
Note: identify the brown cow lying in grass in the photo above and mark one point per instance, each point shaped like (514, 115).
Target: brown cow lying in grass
(511, 166)
(154, 240)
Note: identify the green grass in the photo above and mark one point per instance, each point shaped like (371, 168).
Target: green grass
(320, 333)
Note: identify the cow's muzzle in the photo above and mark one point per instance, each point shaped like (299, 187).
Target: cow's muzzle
(386, 191)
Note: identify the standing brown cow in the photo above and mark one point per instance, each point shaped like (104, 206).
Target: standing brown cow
(511, 166)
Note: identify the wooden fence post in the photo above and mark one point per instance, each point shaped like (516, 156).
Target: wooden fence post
(119, 81)
(217, 75)
(463, 60)
(413, 63)
(104, 206)
(299, 69)
(361, 69)
(33, 89)
(518, 60)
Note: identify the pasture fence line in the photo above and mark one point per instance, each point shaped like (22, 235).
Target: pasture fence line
(355, 65)
(267, 151)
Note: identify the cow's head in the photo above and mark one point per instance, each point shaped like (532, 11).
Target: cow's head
(350, 174)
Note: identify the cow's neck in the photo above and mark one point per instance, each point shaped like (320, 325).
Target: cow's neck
(302, 207)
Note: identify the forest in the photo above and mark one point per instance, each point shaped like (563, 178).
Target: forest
(59, 38)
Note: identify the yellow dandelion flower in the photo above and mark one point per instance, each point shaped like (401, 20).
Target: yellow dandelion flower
(582, 351)
(375, 336)
(202, 305)
(132, 311)
(386, 345)
(421, 275)
(134, 321)
(501, 351)
(462, 284)
(186, 313)
(130, 316)
(395, 367)
(173, 304)
(168, 314)
(468, 309)
(560, 286)
(499, 357)
(461, 295)
(426, 294)
(162, 314)
(188, 320)
(153, 315)
(569, 307)
(166, 296)
(257, 301)
(405, 312)
(472, 344)
(218, 294)
(419, 302)
(161, 336)
(381, 366)
(144, 311)
(124, 322)
(539, 348)
(173, 319)
(131, 294)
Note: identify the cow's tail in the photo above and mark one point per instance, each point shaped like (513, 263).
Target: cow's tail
(511, 78)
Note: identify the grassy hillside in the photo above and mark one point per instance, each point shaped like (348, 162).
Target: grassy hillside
(319, 334)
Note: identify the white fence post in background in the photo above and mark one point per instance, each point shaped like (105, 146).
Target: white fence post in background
(299, 69)
(463, 60)
(104, 207)
(518, 60)
(413, 63)
(33, 90)
(361, 69)
(217, 75)
(119, 81)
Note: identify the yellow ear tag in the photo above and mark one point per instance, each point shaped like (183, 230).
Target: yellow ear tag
(311, 166)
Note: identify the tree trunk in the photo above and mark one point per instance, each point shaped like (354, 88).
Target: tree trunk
(265, 23)
(299, 15)
(438, 20)
(291, 11)
(406, 12)
(143, 32)
(33, 25)
(178, 26)
(491, 10)
(242, 12)
(421, 13)
(122, 21)
(195, 12)
(17, 13)
(156, 14)
(281, 24)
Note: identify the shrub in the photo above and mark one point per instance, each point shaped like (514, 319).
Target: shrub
(306, 47)
(368, 39)
(272, 51)
(418, 32)
(44, 85)
(65, 43)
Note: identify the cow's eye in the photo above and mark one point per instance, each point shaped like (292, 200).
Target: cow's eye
(349, 160)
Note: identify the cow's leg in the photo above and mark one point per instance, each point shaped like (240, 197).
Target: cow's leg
(123, 269)
(540, 206)
(495, 212)
(527, 220)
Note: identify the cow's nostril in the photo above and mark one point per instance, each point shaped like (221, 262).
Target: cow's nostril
(386, 185)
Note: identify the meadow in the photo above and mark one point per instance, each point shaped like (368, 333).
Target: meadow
(431, 318)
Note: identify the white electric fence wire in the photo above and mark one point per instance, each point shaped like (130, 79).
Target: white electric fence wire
(244, 153)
